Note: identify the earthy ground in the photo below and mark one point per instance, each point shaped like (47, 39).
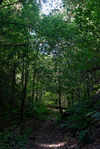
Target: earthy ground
(48, 135)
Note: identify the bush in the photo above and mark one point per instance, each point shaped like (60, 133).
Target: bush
(12, 139)
(80, 118)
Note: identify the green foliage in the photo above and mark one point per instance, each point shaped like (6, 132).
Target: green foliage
(11, 139)
(51, 58)
(38, 111)
(80, 120)
(85, 137)
(55, 48)
(41, 111)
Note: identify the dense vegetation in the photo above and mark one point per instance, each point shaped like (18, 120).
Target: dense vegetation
(49, 61)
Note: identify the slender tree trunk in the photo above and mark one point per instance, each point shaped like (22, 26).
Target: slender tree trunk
(72, 98)
(22, 75)
(12, 100)
(69, 103)
(40, 96)
(33, 90)
(33, 94)
(60, 91)
(24, 95)
(78, 94)
(59, 96)
(36, 96)
(88, 89)
(60, 105)
(13, 82)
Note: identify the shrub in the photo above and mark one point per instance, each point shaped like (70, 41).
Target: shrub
(80, 118)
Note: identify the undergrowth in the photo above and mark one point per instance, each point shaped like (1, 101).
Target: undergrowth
(14, 138)
(14, 135)
(81, 120)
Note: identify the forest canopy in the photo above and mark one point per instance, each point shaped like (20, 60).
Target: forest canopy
(50, 59)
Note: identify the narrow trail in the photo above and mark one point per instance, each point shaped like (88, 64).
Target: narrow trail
(48, 135)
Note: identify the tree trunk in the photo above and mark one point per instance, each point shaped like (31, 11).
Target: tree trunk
(72, 98)
(24, 95)
(40, 96)
(88, 89)
(78, 94)
(59, 95)
(36, 96)
(12, 100)
(33, 90)
(59, 98)
(69, 101)
(22, 80)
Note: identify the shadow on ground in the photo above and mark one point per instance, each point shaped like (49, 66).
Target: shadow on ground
(50, 136)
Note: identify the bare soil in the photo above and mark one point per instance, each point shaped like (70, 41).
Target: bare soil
(49, 135)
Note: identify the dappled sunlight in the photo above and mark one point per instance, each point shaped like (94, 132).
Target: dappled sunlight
(59, 144)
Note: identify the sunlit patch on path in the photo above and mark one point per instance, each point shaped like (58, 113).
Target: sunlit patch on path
(50, 136)
(60, 144)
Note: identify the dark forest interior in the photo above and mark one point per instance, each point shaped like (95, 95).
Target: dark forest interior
(49, 74)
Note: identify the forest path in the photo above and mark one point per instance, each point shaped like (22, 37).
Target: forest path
(48, 135)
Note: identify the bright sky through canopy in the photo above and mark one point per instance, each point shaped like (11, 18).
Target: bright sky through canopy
(51, 5)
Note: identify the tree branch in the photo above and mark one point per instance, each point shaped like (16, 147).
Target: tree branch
(19, 45)
(9, 4)
(14, 45)
(25, 25)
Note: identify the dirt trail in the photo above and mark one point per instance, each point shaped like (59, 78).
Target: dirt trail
(48, 135)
